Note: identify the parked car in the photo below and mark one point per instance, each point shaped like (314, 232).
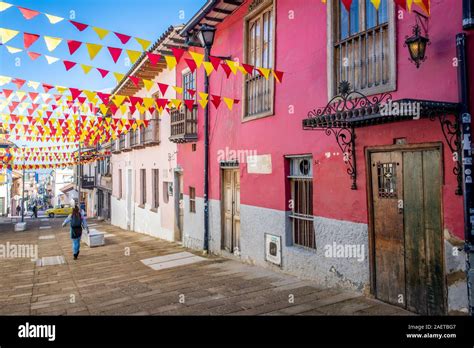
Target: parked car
(63, 209)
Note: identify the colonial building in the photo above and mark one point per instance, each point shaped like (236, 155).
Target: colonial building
(357, 194)
(144, 160)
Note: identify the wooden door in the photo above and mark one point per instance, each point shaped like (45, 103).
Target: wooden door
(407, 226)
(231, 210)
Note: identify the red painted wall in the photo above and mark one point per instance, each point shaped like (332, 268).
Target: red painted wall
(301, 53)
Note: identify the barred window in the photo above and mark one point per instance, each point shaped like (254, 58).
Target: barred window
(189, 82)
(301, 183)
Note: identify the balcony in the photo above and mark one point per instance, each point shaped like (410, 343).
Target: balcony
(137, 138)
(152, 133)
(114, 146)
(105, 181)
(88, 182)
(183, 125)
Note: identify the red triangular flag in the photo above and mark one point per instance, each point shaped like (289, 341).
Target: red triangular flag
(122, 37)
(402, 4)
(33, 55)
(162, 87)
(29, 39)
(347, 4)
(189, 103)
(75, 93)
(161, 103)
(27, 13)
(104, 97)
(248, 68)
(153, 58)
(177, 53)
(216, 101)
(19, 82)
(103, 72)
(73, 45)
(115, 53)
(69, 65)
(215, 62)
(7, 92)
(226, 68)
(278, 75)
(79, 26)
(135, 80)
(47, 87)
(191, 63)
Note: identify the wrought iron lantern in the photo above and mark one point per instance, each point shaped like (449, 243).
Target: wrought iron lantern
(206, 35)
(417, 42)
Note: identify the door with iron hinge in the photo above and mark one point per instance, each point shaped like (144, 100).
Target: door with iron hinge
(407, 230)
(231, 210)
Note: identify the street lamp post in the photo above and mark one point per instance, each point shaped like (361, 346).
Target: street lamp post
(23, 189)
(206, 37)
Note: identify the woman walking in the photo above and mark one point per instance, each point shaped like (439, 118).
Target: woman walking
(77, 221)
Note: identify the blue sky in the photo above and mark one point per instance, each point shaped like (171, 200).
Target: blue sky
(146, 19)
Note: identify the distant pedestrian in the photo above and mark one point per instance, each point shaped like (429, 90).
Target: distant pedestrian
(18, 210)
(77, 222)
(35, 211)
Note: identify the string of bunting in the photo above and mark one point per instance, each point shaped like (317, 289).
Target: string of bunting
(113, 102)
(404, 4)
(101, 33)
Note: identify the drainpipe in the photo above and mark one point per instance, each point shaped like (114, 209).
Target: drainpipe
(207, 50)
(23, 189)
(466, 164)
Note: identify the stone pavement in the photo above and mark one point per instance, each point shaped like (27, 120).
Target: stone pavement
(111, 280)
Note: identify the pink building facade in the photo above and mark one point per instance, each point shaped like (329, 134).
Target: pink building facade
(280, 194)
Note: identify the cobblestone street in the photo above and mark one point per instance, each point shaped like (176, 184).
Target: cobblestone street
(105, 281)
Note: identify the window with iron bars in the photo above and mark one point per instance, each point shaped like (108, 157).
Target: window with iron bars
(301, 184)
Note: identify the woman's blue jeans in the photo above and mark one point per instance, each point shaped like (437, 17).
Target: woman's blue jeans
(76, 244)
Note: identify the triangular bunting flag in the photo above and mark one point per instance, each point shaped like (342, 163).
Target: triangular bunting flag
(197, 57)
(191, 64)
(170, 62)
(122, 37)
(27, 13)
(7, 34)
(79, 26)
(33, 55)
(143, 43)
(52, 42)
(103, 72)
(50, 59)
(29, 39)
(209, 67)
(93, 49)
(133, 55)
(53, 19)
(69, 65)
(86, 68)
(101, 32)
(115, 53)
(153, 58)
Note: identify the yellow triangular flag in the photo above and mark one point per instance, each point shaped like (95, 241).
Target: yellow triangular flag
(148, 84)
(4, 6)
(53, 19)
(4, 80)
(52, 42)
(118, 100)
(265, 72)
(7, 34)
(123, 109)
(101, 32)
(203, 95)
(61, 90)
(13, 50)
(148, 102)
(229, 102)
(203, 102)
(232, 65)
(178, 89)
(118, 76)
(209, 68)
(133, 55)
(143, 43)
(176, 102)
(197, 57)
(170, 62)
(376, 3)
(409, 4)
(50, 59)
(90, 95)
(93, 49)
(86, 68)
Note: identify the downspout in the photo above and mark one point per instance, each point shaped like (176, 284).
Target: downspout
(464, 123)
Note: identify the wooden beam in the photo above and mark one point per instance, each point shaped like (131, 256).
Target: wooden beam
(232, 2)
(213, 19)
(220, 10)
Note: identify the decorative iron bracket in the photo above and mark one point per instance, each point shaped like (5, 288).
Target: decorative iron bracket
(452, 134)
(345, 138)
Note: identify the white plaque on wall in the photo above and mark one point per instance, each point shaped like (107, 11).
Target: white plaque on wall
(259, 164)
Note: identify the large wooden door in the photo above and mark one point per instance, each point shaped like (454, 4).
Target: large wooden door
(407, 230)
(231, 210)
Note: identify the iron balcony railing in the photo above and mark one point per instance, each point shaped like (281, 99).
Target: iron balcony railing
(183, 125)
(88, 182)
